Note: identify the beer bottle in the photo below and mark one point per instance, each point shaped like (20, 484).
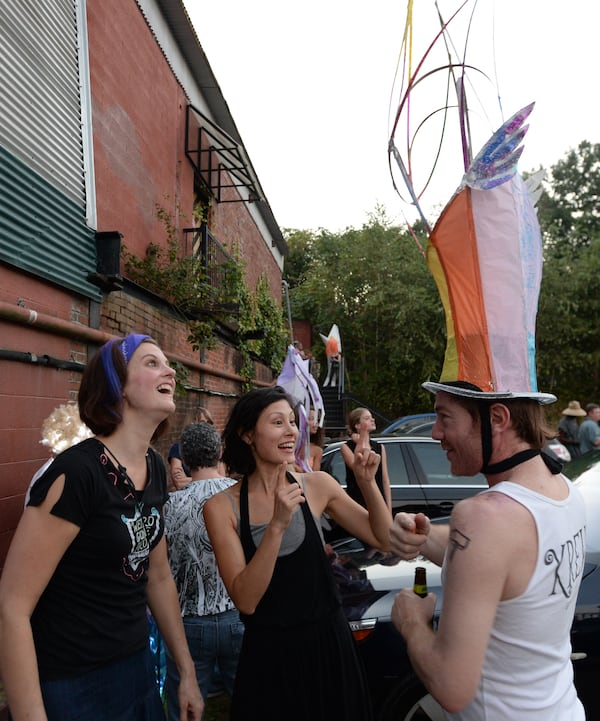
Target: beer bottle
(420, 585)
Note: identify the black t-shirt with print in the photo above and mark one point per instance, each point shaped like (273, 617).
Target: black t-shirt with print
(93, 610)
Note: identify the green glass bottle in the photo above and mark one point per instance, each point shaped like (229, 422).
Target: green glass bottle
(420, 585)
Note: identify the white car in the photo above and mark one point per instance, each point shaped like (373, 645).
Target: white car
(588, 483)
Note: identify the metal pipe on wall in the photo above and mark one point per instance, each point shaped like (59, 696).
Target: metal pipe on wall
(58, 326)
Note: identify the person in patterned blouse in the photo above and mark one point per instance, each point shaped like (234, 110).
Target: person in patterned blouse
(212, 623)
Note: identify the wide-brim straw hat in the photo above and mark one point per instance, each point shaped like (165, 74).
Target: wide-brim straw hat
(574, 409)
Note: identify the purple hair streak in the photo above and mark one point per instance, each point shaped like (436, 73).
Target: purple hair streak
(128, 347)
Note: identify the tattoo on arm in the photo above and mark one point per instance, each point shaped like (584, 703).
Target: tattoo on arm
(458, 542)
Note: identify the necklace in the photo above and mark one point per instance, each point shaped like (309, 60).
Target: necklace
(125, 476)
(122, 470)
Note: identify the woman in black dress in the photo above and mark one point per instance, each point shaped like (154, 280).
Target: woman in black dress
(298, 659)
(360, 421)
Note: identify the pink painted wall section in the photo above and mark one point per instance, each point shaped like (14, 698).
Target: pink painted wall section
(139, 112)
(139, 126)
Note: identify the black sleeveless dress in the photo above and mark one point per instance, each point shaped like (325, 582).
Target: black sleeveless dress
(298, 660)
(352, 487)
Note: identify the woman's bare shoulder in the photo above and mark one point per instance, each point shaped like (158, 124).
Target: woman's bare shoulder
(227, 496)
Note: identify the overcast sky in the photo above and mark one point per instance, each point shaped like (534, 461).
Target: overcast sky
(309, 87)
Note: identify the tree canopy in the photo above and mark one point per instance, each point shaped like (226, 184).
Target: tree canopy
(568, 334)
(374, 283)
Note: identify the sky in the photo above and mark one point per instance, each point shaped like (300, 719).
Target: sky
(311, 88)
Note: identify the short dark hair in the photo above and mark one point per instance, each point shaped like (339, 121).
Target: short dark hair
(200, 445)
(99, 409)
(591, 407)
(237, 454)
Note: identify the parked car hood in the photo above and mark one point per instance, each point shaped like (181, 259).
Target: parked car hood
(370, 580)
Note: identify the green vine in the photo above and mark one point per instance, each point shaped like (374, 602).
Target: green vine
(184, 282)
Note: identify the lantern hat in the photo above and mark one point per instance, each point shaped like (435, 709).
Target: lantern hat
(485, 254)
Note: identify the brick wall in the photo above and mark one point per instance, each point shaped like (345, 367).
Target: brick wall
(29, 392)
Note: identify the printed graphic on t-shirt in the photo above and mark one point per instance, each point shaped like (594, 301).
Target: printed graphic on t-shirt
(568, 562)
(143, 531)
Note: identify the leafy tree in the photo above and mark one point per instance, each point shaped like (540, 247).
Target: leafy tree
(375, 285)
(301, 245)
(568, 337)
(569, 212)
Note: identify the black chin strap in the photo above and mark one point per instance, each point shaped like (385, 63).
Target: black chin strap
(486, 435)
(554, 465)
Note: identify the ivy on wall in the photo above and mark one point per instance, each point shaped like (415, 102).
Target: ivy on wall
(183, 282)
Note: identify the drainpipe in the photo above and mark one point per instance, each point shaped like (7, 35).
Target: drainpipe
(41, 360)
(286, 288)
(58, 326)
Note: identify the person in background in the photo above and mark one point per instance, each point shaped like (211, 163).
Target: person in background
(179, 474)
(333, 355)
(299, 347)
(502, 647)
(298, 660)
(589, 430)
(568, 428)
(89, 555)
(316, 441)
(212, 623)
(360, 420)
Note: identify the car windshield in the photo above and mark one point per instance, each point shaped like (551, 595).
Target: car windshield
(430, 457)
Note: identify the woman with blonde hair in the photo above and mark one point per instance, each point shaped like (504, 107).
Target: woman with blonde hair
(360, 420)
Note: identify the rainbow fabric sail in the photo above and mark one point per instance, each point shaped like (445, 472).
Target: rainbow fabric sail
(485, 253)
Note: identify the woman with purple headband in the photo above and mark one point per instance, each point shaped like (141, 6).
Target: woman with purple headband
(89, 555)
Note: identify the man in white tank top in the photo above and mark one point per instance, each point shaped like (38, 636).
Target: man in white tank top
(512, 558)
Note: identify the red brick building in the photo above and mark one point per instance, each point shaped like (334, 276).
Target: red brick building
(110, 111)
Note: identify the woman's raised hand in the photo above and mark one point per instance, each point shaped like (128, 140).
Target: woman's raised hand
(288, 496)
(366, 461)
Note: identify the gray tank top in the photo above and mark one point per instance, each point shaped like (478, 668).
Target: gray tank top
(293, 534)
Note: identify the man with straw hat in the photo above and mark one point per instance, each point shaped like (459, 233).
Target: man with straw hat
(568, 428)
(512, 555)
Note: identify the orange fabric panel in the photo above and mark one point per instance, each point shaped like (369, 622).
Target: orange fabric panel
(455, 243)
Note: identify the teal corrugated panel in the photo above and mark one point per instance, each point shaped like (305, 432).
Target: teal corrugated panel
(43, 231)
